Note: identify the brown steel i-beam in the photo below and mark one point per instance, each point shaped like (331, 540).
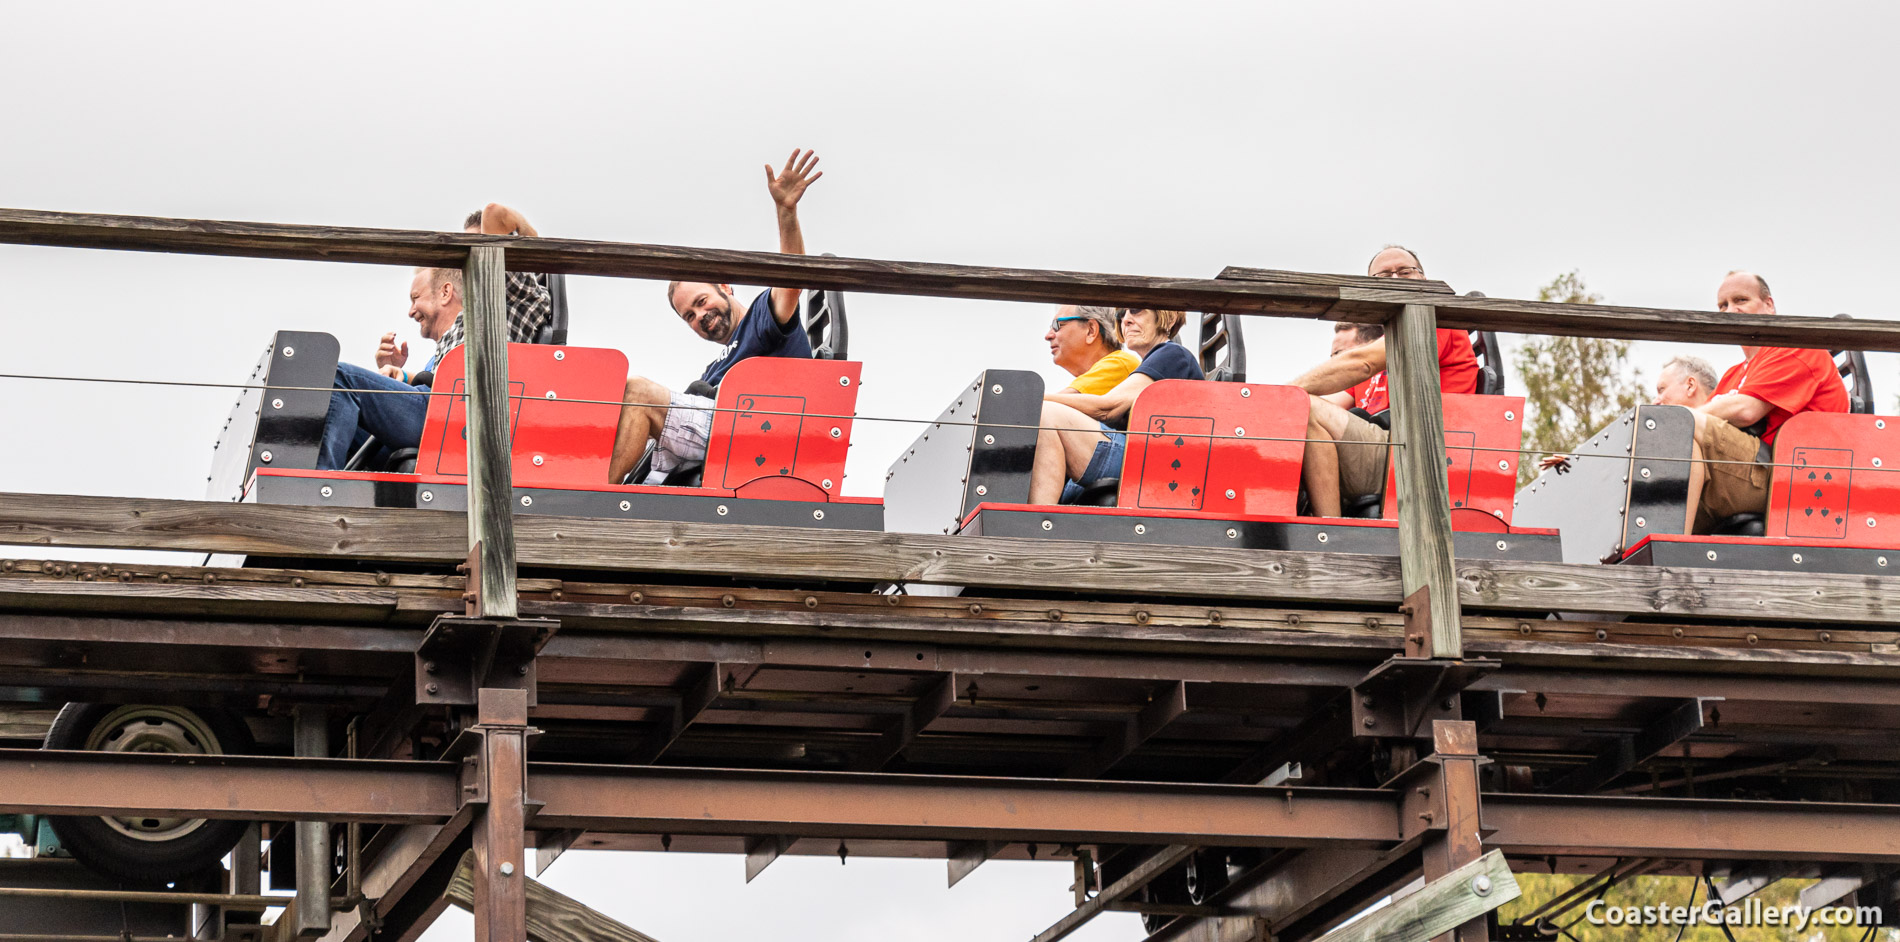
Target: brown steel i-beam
(1462, 841)
(310, 729)
(500, 870)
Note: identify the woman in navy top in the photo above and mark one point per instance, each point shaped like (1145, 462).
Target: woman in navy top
(1081, 440)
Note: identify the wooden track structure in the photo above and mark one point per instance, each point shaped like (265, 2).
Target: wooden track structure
(1342, 725)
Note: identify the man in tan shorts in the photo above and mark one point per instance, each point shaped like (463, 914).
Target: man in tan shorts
(1346, 445)
(1735, 429)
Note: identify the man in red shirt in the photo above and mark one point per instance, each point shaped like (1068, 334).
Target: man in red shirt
(1737, 426)
(1346, 447)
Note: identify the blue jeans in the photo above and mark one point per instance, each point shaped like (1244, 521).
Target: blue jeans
(395, 419)
(1105, 462)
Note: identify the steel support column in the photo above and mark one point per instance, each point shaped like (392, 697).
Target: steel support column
(500, 867)
(311, 735)
(1461, 842)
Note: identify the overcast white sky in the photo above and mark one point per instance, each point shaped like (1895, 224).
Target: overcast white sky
(1653, 146)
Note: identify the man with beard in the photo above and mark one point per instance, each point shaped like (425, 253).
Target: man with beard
(769, 326)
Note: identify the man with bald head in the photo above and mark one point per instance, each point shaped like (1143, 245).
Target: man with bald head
(1735, 429)
(1346, 446)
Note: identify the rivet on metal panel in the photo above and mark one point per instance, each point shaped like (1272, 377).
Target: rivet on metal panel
(818, 515)
(989, 439)
(1230, 493)
(527, 501)
(1245, 393)
(289, 352)
(265, 457)
(722, 510)
(997, 389)
(551, 395)
(539, 461)
(1645, 472)
(1046, 525)
(1140, 528)
(835, 432)
(1509, 415)
(1797, 557)
(560, 354)
(826, 484)
(1502, 546)
(1322, 537)
(428, 496)
(982, 490)
(1649, 423)
(844, 380)
(1232, 533)
(1711, 556)
(1640, 522)
(626, 505)
(277, 403)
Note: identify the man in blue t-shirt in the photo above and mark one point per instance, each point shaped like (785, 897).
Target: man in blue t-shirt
(768, 327)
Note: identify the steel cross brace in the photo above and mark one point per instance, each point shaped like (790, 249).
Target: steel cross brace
(460, 655)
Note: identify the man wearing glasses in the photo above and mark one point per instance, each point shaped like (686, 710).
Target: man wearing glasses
(1086, 342)
(1346, 446)
(768, 326)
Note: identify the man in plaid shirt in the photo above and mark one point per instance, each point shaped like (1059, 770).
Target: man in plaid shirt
(386, 402)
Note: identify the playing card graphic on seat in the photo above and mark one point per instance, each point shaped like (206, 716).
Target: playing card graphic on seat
(1174, 468)
(1818, 492)
(1460, 452)
(764, 438)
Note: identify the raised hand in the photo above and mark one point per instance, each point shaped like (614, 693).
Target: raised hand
(389, 353)
(799, 173)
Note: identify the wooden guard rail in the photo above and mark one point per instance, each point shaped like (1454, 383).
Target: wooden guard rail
(1412, 309)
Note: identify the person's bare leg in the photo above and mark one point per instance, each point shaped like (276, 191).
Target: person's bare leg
(1064, 445)
(1319, 471)
(1698, 473)
(1325, 423)
(641, 419)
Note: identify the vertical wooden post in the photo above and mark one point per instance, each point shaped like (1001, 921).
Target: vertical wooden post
(310, 735)
(1418, 421)
(491, 524)
(500, 877)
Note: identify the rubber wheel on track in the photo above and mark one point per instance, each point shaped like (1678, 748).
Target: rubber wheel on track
(146, 850)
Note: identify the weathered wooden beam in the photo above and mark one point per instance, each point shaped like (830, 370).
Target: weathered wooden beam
(994, 562)
(552, 915)
(658, 262)
(491, 531)
(1335, 297)
(1456, 898)
(1418, 434)
(1367, 282)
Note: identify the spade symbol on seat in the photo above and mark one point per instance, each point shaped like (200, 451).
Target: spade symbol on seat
(1196, 492)
(1810, 475)
(1176, 465)
(784, 470)
(1828, 476)
(765, 426)
(1809, 511)
(1172, 485)
(1824, 511)
(760, 461)
(1817, 493)
(1179, 441)
(1839, 519)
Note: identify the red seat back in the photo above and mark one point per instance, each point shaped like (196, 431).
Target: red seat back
(1482, 435)
(782, 421)
(1834, 480)
(557, 441)
(1199, 445)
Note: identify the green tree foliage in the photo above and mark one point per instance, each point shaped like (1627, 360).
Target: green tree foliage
(1572, 385)
(1671, 891)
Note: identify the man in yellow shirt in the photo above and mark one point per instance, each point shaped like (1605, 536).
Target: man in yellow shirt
(1086, 341)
